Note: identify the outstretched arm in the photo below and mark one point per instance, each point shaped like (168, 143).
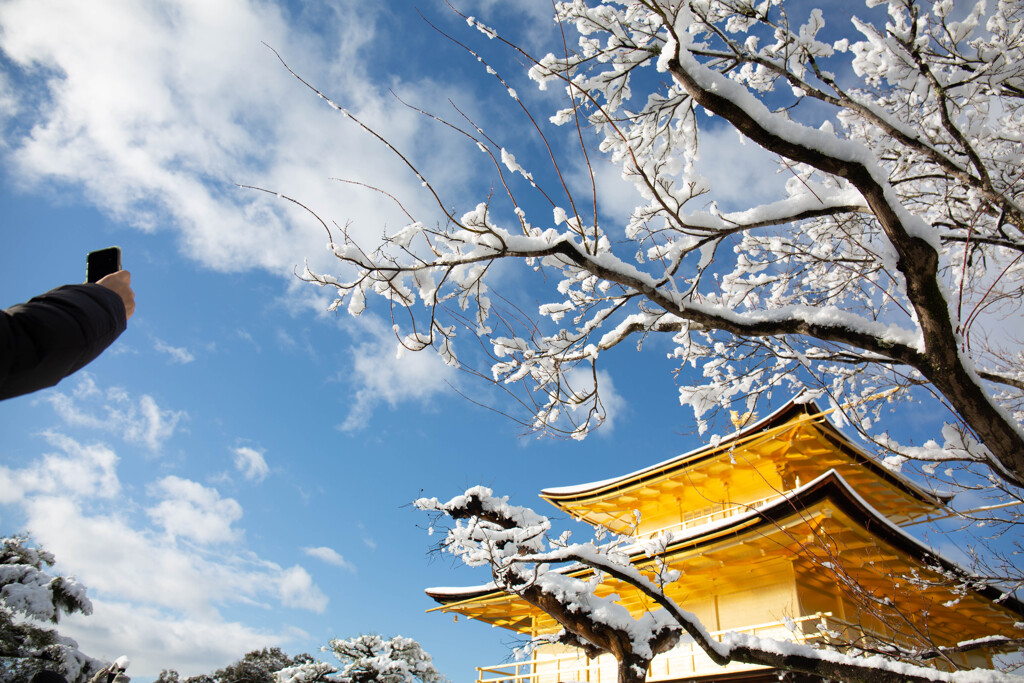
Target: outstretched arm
(57, 333)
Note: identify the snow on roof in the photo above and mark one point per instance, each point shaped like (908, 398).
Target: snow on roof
(582, 488)
(807, 407)
(457, 592)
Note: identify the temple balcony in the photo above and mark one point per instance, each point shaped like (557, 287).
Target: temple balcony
(559, 664)
(714, 513)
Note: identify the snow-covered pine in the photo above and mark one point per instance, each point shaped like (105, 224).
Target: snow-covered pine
(30, 597)
(368, 658)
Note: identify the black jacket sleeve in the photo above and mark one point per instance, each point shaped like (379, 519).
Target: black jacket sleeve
(51, 336)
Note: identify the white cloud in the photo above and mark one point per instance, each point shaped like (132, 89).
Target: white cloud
(298, 590)
(384, 375)
(616, 197)
(80, 471)
(156, 638)
(540, 33)
(581, 381)
(157, 592)
(195, 512)
(157, 108)
(251, 463)
(178, 354)
(118, 560)
(137, 421)
(330, 556)
(741, 173)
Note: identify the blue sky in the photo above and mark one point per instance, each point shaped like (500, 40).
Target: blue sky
(236, 471)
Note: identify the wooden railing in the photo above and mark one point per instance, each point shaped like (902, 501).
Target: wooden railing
(686, 659)
(717, 511)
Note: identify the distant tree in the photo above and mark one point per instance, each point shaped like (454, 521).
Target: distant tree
(369, 658)
(30, 597)
(312, 672)
(200, 678)
(257, 666)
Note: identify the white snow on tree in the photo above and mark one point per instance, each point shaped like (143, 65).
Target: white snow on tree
(900, 128)
(369, 658)
(29, 598)
(884, 272)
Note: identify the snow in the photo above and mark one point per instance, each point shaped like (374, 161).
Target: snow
(30, 592)
(733, 641)
(461, 591)
(748, 430)
(659, 142)
(815, 287)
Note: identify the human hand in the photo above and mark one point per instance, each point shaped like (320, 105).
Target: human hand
(121, 282)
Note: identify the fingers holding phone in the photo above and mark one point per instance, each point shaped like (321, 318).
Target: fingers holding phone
(121, 282)
(103, 267)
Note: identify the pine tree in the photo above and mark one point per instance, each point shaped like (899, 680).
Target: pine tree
(29, 597)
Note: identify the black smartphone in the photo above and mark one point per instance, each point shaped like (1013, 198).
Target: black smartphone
(101, 263)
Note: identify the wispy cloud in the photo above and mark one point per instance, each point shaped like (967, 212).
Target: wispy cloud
(615, 406)
(330, 556)
(246, 336)
(138, 122)
(195, 512)
(383, 373)
(251, 463)
(75, 471)
(137, 118)
(178, 354)
(137, 421)
(368, 541)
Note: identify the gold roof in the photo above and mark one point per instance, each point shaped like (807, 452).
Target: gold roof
(805, 535)
(793, 445)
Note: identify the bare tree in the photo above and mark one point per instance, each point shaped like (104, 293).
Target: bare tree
(899, 233)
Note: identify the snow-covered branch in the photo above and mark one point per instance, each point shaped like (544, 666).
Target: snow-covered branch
(893, 248)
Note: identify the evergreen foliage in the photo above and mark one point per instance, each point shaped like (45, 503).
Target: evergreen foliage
(30, 598)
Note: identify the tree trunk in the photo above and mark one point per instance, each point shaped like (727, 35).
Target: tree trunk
(632, 669)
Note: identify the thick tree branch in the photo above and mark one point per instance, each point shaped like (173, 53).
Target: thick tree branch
(916, 260)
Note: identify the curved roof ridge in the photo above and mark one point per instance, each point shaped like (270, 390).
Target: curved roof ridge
(794, 405)
(749, 429)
